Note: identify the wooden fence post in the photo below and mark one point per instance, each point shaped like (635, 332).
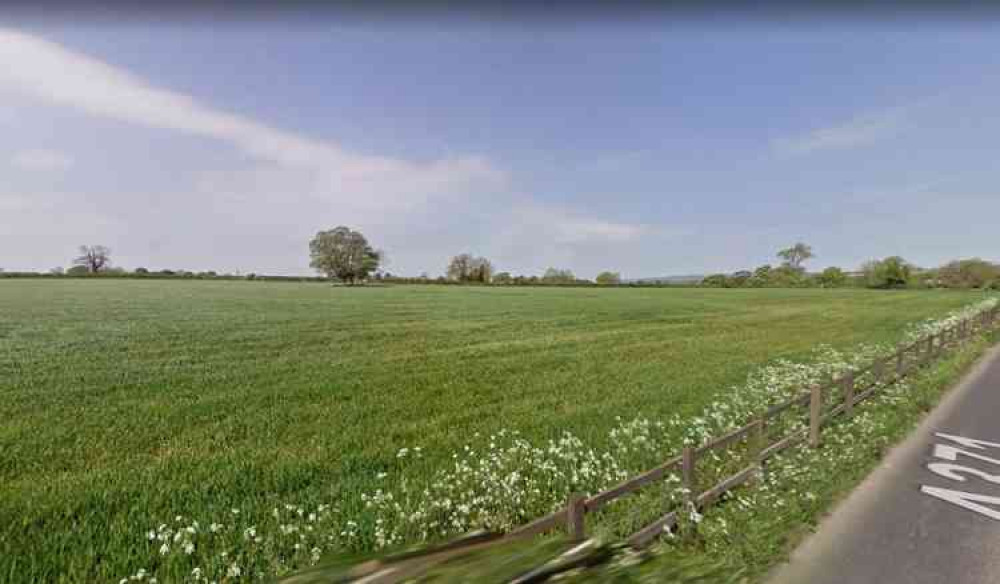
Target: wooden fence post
(929, 351)
(760, 437)
(901, 362)
(878, 370)
(688, 474)
(575, 510)
(758, 442)
(848, 382)
(815, 407)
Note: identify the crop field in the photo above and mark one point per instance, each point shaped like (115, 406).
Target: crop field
(125, 403)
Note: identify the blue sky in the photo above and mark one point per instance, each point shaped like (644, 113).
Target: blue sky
(651, 149)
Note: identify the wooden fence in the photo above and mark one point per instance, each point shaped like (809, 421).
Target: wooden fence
(821, 402)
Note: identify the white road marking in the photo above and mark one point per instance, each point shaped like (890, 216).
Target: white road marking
(967, 442)
(950, 471)
(970, 501)
(965, 500)
(951, 453)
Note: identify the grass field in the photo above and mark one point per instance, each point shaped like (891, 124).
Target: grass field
(128, 402)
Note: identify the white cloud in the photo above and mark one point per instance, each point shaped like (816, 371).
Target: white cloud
(860, 130)
(46, 71)
(531, 236)
(560, 225)
(10, 202)
(260, 214)
(42, 160)
(577, 229)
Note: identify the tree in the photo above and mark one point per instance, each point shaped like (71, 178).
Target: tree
(763, 272)
(460, 267)
(343, 254)
(970, 273)
(794, 256)
(761, 277)
(503, 278)
(556, 276)
(892, 272)
(482, 271)
(467, 268)
(832, 277)
(95, 258)
(785, 276)
(609, 278)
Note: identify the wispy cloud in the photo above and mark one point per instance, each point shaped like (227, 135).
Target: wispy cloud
(580, 229)
(49, 72)
(10, 202)
(42, 160)
(860, 130)
(288, 185)
(535, 236)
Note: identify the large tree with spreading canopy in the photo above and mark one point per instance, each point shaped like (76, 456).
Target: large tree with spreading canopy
(343, 254)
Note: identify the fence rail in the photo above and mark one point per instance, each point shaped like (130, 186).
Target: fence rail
(881, 372)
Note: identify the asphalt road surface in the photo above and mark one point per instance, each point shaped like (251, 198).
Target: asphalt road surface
(930, 513)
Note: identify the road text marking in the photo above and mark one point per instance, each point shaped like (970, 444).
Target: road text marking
(951, 471)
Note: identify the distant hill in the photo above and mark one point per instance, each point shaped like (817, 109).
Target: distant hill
(667, 280)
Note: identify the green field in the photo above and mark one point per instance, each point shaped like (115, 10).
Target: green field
(126, 402)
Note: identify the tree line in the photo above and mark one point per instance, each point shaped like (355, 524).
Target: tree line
(887, 273)
(344, 255)
(95, 261)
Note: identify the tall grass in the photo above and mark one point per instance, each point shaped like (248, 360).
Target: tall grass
(139, 415)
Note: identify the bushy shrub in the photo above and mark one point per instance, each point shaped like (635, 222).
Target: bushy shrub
(714, 281)
(892, 272)
(970, 273)
(739, 279)
(609, 278)
(832, 277)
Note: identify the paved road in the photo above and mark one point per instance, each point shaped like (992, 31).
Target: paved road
(930, 514)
